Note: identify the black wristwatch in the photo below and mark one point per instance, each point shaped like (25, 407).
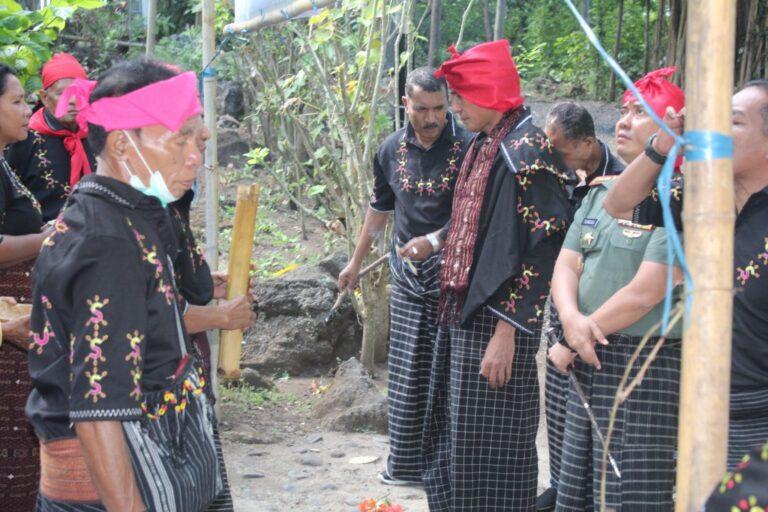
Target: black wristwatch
(651, 153)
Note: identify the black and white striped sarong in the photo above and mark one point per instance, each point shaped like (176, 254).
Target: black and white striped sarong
(413, 328)
(480, 443)
(748, 423)
(555, 400)
(644, 439)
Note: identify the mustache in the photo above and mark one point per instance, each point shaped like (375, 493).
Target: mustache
(430, 126)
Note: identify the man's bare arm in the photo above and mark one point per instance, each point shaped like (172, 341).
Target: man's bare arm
(109, 463)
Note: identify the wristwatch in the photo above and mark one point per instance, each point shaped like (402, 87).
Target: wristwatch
(651, 153)
(434, 241)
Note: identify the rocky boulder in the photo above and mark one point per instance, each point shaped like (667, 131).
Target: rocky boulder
(290, 333)
(353, 403)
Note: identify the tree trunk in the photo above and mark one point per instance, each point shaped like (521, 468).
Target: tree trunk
(151, 28)
(657, 41)
(598, 60)
(616, 49)
(434, 33)
(501, 13)
(647, 50)
(585, 5)
(376, 318)
(487, 20)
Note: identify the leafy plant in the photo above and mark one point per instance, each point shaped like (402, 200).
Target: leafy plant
(27, 36)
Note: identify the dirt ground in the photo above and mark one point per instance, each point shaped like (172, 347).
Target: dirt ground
(278, 460)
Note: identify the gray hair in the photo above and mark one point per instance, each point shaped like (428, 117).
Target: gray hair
(424, 79)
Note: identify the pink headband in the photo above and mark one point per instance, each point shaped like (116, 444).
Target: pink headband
(169, 103)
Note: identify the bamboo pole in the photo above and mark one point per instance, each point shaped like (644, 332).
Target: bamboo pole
(278, 15)
(709, 230)
(211, 178)
(243, 228)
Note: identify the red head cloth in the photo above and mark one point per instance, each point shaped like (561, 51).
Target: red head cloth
(659, 92)
(484, 75)
(62, 65)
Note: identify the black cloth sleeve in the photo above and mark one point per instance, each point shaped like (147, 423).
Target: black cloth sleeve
(542, 214)
(19, 156)
(650, 212)
(108, 328)
(193, 276)
(383, 197)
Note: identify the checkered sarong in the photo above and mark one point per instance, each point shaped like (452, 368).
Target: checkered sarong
(556, 398)
(644, 438)
(748, 423)
(480, 443)
(413, 328)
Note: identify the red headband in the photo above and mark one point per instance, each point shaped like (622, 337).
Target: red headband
(659, 92)
(61, 65)
(484, 75)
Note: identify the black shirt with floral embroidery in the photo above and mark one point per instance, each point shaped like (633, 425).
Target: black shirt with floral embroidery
(523, 221)
(417, 183)
(749, 356)
(193, 275)
(104, 327)
(43, 164)
(19, 210)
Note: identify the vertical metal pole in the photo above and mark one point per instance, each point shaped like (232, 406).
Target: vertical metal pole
(709, 229)
(211, 176)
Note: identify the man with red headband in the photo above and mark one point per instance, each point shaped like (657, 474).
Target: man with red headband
(57, 153)
(510, 213)
(748, 422)
(607, 286)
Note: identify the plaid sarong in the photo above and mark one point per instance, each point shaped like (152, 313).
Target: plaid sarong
(480, 443)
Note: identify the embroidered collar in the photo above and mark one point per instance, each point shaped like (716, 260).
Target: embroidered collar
(115, 191)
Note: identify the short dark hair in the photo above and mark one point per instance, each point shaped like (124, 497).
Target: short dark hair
(761, 84)
(574, 120)
(120, 79)
(424, 78)
(5, 72)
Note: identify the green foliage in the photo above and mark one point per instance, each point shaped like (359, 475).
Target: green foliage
(548, 43)
(244, 396)
(27, 36)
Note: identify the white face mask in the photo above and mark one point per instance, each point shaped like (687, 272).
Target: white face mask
(157, 186)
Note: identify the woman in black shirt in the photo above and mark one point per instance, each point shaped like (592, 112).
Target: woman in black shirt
(20, 242)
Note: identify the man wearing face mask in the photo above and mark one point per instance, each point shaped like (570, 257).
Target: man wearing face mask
(57, 154)
(118, 401)
(414, 173)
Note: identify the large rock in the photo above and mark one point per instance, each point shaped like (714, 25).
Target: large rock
(231, 146)
(290, 333)
(353, 403)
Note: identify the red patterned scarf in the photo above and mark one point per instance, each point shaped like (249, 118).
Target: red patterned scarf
(468, 197)
(73, 143)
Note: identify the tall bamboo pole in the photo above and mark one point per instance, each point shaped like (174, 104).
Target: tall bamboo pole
(709, 230)
(243, 229)
(211, 178)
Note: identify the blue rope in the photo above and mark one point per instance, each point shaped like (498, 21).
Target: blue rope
(697, 145)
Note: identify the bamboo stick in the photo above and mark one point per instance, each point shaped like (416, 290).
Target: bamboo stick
(243, 228)
(709, 230)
